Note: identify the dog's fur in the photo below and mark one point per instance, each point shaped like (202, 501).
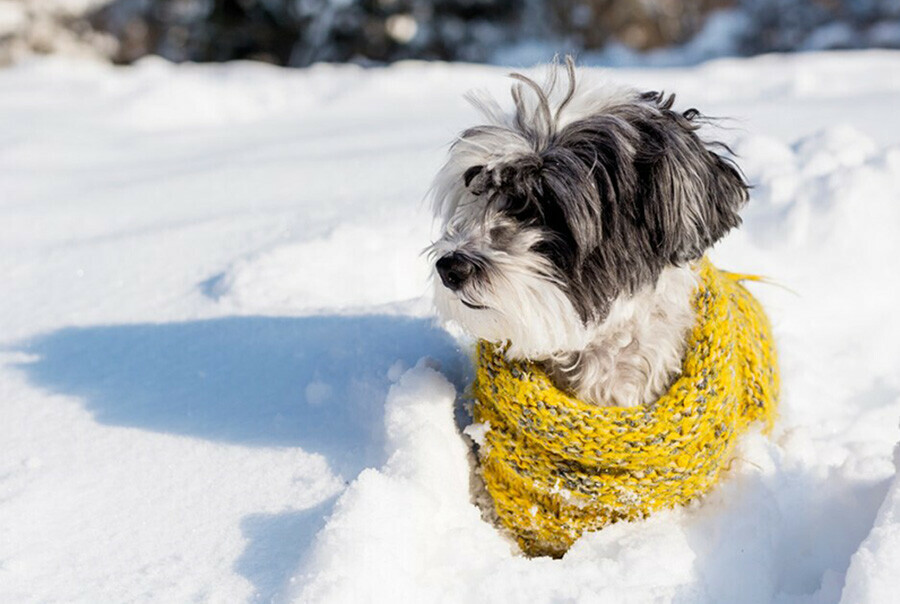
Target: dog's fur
(570, 226)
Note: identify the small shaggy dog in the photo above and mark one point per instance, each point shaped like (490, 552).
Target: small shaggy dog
(570, 227)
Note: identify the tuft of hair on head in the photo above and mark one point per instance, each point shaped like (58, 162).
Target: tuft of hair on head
(480, 156)
(539, 121)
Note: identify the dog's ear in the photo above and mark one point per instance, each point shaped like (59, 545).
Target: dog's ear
(588, 176)
(570, 193)
(688, 195)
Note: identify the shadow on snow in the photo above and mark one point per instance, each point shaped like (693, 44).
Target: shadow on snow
(313, 382)
(276, 546)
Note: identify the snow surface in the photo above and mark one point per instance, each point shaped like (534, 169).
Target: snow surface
(214, 317)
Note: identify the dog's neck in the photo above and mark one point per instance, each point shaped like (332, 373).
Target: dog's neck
(634, 354)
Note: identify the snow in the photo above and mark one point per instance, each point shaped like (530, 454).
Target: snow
(12, 16)
(872, 576)
(221, 379)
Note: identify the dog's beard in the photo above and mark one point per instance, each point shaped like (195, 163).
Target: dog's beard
(519, 302)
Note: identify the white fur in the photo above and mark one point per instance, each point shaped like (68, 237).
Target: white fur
(635, 352)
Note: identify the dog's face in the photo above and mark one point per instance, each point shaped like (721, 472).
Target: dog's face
(573, 202)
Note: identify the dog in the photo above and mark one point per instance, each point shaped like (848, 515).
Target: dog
(571, 227)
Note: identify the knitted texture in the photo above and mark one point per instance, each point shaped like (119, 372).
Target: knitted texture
(557, 467)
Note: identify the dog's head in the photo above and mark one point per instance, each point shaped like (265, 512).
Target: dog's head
(578, 198)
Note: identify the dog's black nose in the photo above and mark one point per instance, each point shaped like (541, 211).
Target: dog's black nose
(454, 269)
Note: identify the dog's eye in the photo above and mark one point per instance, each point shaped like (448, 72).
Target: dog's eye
(501, 234)
(470, 175)
(520, 209)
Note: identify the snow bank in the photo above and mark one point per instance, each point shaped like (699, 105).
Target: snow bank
(399, 533)
(283, 280)
(872, 576)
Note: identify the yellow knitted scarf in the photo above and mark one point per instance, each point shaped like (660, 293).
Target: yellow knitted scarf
(557, 467)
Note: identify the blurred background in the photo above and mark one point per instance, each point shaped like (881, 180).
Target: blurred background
(514, 32)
